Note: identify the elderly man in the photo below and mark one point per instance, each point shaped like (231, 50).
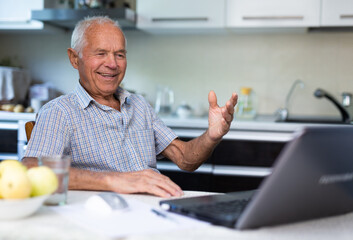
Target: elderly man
(114, 137)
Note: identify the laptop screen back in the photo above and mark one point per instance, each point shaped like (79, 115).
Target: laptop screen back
(312, 178)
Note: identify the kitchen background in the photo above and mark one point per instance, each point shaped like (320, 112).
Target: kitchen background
(192, 65)
(216, 58)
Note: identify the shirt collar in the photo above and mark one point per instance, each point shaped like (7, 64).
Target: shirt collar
(84, 99)
(123, 96)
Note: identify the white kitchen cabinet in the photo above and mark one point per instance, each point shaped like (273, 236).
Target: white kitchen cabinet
(16, 14)
(181, 14)
(337, 13)
(272, 13)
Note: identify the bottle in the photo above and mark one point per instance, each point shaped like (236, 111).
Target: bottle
(246, 104)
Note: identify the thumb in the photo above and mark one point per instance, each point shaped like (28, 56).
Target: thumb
(212, 99)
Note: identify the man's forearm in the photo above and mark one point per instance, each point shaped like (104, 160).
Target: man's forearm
(190, 155)
(144, 181)
(78, 179)
(30, 162)
(200, 148)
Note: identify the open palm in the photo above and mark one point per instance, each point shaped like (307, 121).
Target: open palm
(220, 118)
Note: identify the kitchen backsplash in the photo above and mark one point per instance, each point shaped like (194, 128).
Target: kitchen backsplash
(192, 65)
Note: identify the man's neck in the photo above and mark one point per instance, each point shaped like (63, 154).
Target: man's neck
(110, 100)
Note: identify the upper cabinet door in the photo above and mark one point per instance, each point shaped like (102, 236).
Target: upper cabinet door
(273, 13)
(16, 14)
(337, 13)
(180, 14)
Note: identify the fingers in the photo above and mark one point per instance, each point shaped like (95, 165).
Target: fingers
(212, 99)
(234, 99)
(231, 103)
(227, 115)
(147, 181)
(158, 184)
(228, 109)
(161, 185)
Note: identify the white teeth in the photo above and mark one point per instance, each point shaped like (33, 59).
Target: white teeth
(107, 75)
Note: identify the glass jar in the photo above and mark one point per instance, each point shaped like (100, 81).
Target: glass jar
(164, 101)
(246, 107)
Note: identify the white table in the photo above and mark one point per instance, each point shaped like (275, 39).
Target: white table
(47, 224)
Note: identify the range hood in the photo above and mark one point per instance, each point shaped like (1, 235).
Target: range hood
(67, 18)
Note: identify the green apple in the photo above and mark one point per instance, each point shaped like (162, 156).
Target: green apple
(4, 164)
(14, 183)
(43, 180)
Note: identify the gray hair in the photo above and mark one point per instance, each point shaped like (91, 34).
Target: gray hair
(78, 38)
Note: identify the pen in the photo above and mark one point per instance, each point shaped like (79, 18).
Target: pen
(163, 215)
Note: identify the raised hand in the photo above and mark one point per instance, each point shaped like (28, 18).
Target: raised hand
(220, 118)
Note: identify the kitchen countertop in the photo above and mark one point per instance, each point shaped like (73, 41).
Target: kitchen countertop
(260, 123)
(11, 116)
(262, 128)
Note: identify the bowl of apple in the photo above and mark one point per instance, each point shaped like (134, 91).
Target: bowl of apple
(12, 209)
(22, 191)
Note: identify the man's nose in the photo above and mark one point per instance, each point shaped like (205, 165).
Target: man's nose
(111, 61)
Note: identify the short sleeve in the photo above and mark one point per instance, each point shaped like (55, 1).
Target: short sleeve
(162, 133)
(50, 135)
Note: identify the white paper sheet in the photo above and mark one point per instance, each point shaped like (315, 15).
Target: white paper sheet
(138, 219)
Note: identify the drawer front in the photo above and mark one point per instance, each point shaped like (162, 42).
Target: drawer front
(337, 13)
(247, 153)
(273, 13)
(171, 14)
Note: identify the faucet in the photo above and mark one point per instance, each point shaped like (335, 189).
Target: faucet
(283, 112)
(319, 93)
(346, 99)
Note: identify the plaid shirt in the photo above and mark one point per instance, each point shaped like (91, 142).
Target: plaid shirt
(98, 137)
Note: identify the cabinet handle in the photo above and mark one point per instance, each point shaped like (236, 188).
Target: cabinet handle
(269, 18)
(346, 16)
(166, 166)
(222, 170)
(191, 19)
(241, 135)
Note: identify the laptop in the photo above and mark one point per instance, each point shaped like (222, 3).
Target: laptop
(311, 178)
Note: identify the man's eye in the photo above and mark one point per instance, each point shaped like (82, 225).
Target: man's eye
(101, 54)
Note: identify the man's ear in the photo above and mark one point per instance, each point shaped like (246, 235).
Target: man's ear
(73, 56)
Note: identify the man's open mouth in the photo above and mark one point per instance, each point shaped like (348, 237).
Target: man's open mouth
(111, 75)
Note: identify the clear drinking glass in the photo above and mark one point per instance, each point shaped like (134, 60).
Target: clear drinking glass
(164, 101)
(60, 164)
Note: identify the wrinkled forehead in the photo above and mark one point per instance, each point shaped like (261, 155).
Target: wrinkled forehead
(106, 34)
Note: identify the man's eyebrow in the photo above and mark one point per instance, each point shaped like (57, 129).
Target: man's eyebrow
(104, 50)
(100, 50)
(122, 51)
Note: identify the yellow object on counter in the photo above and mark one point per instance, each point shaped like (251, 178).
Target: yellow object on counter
(246, 104)
(245, 90)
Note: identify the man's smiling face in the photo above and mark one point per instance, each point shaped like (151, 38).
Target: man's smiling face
(103, 63)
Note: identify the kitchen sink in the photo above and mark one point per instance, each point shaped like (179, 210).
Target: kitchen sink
(318, 120)
(282, 114)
